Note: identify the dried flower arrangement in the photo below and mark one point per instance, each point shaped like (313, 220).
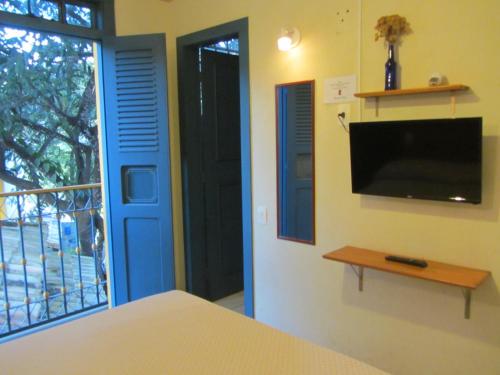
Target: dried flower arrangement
(391, 28)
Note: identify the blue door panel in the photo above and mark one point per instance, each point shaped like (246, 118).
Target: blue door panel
(144, 277)
(138, 166)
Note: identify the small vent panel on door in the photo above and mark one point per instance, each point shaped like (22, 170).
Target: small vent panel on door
(137, 102)
(139, 184)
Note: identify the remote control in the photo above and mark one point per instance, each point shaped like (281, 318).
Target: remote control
(410, 261)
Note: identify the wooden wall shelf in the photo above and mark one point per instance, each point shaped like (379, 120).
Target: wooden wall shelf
(412, 91)
(415, 91)
(466, 278)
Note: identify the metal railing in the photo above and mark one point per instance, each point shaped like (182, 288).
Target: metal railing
(52, 262)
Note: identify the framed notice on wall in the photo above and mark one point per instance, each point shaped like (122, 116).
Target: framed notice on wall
(340, 89)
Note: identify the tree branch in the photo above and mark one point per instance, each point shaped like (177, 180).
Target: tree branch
(47, 131)
(86, 97)
(44, 147)
(49, 103)
(17, 182)
(8, 142)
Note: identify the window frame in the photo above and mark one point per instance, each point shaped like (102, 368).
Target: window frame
(103, 20)
(103, 25)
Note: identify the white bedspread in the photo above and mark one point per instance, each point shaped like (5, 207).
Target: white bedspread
(172, 333)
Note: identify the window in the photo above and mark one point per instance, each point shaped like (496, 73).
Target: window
(58, 43)
(15, 6)
(80, 14)
(52, 261)
(51, 239)
(230, 47)
(48, 10)
(91, 19)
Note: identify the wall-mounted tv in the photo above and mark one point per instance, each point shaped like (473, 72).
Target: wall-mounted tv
(423, 159)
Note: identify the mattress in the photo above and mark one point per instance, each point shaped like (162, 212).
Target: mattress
(171, 333)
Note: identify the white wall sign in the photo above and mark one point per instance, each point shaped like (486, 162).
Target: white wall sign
(340, 89)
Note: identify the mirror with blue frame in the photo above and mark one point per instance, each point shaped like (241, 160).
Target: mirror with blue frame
(295, 161)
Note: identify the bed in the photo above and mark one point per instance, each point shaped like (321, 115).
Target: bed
(171, 333)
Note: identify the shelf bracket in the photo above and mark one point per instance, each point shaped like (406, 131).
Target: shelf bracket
(360, 274)
(453, 103)
(467, 295)
(359, 271)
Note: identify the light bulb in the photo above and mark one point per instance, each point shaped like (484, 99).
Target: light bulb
(289, 38)
(285, 43)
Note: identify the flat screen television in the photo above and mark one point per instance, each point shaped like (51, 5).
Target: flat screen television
(423, 159)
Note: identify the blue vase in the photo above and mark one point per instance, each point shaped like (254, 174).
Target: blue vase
(390, 70)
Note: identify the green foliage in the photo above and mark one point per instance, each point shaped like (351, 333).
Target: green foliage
(48, 126)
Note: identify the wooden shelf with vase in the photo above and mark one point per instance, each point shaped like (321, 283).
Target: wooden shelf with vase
(452, 89)
(466, 278)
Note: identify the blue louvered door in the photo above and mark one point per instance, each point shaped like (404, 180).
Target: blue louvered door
(300, 155)
(137, 166)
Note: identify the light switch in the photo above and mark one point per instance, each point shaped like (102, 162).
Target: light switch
(262, 215)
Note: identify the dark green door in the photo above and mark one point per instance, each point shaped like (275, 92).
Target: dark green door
(221, 169)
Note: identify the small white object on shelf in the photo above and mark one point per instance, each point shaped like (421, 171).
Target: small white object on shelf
(436, 79)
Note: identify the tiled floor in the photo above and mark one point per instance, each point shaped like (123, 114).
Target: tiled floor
(233, 302)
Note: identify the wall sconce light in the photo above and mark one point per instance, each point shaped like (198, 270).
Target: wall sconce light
(289, 38)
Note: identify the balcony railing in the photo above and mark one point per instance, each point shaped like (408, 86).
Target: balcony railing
(52, 263)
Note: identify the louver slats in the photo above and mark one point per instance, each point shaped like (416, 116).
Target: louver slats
(303, 129)
(136, 101)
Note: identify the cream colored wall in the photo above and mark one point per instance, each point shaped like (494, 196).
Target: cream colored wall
(401, 325)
